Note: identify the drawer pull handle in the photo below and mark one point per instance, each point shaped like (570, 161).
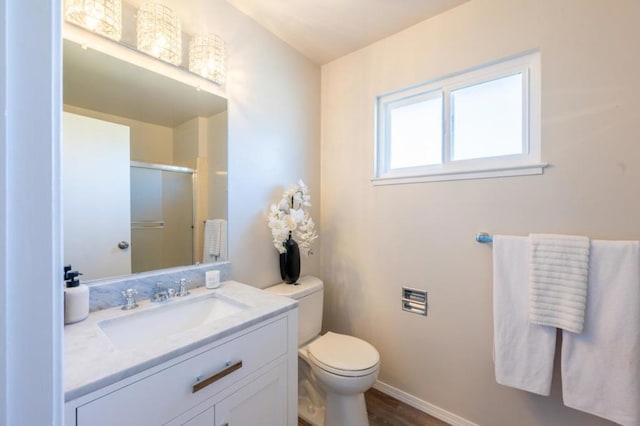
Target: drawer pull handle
(219, 375)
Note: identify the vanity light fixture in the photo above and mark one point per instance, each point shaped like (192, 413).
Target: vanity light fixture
(159, 32)
(100, 16)
(207, 54)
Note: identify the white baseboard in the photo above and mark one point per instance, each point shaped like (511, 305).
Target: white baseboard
(423, 406)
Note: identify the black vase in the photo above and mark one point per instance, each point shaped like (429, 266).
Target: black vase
(290, 262)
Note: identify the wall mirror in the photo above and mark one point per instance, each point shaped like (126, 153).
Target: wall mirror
(144, 168)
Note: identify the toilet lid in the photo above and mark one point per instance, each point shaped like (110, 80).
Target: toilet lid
(343, 355)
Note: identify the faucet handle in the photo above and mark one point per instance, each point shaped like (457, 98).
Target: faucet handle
(129, 299)
(129, 293)
(182, 289)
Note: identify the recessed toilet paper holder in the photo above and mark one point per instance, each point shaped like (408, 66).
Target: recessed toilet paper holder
(414, 300)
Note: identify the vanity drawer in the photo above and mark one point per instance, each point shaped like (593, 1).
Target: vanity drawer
(157, 398)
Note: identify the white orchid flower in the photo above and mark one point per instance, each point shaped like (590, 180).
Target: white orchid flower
(297, 215)
(290, 222)
(284, 205)
(289, 218)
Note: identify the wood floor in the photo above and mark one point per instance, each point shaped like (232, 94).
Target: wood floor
(384, 410)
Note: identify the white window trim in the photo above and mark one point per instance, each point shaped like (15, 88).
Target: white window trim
(528, 163)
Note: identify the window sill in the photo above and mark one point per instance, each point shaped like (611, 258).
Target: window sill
(442, 175)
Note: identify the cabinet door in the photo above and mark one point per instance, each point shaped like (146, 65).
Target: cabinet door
(203, 419)
(262, 402)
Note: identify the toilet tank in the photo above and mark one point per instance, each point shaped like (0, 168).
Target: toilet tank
(309, 294)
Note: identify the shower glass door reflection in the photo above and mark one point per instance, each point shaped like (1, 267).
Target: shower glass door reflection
(161, 217)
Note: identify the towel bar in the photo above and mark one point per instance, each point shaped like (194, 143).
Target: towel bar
(147, 224)
(483, 237)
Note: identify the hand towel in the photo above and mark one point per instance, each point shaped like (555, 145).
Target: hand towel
(523, 352)
(558, 280)
(215, 241)
(601, 366)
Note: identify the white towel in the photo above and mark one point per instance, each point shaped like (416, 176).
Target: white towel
(558, 280)
(523, 352)
(601, 366)
(215, 241)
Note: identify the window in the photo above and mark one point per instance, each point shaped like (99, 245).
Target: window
(479, 123)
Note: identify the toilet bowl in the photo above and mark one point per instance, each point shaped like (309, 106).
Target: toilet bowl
(334, 369)
(344, 367)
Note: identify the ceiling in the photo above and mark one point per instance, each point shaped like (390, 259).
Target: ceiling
(324, 30)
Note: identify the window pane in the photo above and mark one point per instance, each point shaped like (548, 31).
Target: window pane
(416, 133)
(487, 119)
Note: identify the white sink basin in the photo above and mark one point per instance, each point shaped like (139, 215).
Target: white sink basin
(170, 318)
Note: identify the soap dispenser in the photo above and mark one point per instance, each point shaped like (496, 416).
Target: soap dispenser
(76, 297)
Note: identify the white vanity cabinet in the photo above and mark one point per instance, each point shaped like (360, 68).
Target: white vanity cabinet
(245, 379)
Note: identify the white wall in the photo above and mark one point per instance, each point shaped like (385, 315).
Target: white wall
(274, 113)
(30, 225)
(4, 145)
(217, 160)
(377, 239)
(186, 140)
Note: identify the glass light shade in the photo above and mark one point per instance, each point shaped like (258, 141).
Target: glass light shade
(159, 32)
(207, 57)
(100, 16)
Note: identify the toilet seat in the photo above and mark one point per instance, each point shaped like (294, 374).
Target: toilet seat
(343, 355)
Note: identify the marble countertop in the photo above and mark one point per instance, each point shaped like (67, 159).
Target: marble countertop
(91, 361)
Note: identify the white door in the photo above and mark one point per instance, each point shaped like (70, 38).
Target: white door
(96, 200)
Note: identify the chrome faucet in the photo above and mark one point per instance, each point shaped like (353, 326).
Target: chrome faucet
(182, 289)
(162, 294)
(129, 299)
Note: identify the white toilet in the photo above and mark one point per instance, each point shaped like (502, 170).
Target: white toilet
(334, 370)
